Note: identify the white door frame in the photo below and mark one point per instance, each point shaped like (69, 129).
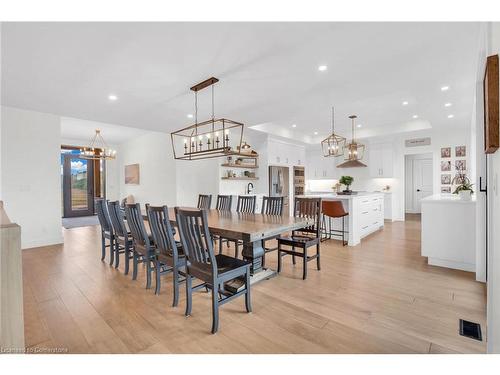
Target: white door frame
(409, 191)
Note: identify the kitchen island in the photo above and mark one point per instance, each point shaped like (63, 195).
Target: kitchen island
(366, 213)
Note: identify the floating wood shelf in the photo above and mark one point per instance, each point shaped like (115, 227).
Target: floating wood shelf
(247, 166)
(243, 156)
(240, 178)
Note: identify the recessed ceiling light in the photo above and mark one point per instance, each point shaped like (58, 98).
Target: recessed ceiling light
(447, 105)
(322, 68)
(315, 133)
(405, 103)
(415, 116)
(359, 125)
(190, 115)
(445, 88)
(294, 125)
(451, 116)
(112, 97)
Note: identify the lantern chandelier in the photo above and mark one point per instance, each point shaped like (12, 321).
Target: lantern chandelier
(98, 149)
(354, 151)
(208, 139)
(334, 144)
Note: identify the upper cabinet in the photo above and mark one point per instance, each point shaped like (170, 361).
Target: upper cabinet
(318, 167)
(286, 154)
(380, 160)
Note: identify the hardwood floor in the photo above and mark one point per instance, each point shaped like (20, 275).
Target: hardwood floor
(377, 297)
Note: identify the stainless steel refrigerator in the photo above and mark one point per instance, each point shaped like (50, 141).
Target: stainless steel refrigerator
(279, 185)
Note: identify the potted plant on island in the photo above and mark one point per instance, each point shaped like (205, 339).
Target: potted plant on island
(464, 190)
(347, 181)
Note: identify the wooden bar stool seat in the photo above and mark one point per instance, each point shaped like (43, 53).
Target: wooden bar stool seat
(333, 210)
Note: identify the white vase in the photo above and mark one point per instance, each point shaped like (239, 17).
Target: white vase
(465, 195)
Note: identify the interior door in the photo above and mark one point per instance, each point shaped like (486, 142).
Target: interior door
(422, 181)
(78, 186)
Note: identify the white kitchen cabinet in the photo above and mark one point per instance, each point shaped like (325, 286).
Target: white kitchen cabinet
(380, 160)
(320, 168)
(286, 154)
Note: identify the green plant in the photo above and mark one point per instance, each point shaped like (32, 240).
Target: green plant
(347, 181)
(464, 186)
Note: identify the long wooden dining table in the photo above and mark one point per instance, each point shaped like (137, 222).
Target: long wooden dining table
(251, 229)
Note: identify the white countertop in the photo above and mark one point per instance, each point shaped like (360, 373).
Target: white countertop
(360, 194)
(447, 198)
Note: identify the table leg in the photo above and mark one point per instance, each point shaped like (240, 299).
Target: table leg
(253, 252)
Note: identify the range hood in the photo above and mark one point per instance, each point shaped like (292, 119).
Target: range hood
(351, 164)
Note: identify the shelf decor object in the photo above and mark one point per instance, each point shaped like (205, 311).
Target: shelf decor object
(98, 149)
(208, 139)
(354, 151)
(491, 98)
(334, 144)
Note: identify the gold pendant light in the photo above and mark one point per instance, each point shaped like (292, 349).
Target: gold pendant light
(98, 149)
(354, 151)
(334, 144)
(208, 139)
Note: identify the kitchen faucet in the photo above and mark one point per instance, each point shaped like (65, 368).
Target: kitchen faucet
(249, 187)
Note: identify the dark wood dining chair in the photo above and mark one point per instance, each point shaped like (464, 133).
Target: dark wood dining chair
(271, 206)
(170, 256)
(303, 238)
(144, 250)
(213, 270)
(204, 201)
(107, 232)
(246, 204)
(123, 238)
(224, 202)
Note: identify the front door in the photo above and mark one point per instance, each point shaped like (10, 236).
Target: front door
(78, 186)
(422, 177)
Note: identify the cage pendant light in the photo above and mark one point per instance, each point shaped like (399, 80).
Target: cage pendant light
(354, 151)
(98, 149)
(334, 144)
(208, 139)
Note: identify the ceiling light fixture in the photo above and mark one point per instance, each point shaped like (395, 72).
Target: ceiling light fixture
(112, 97)
(294, 126)
(208, 139)
(322, 68)
(359, 125)
(315, 133)
(447, 105)
(98, 149)
(451, 116)
(334, 144)
(415, 116)
(445, 88)
(190, 116)
(355, 151)
(405, 103)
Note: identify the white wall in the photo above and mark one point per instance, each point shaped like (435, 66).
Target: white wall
(493, 284)
(153, 153)
(31, 183)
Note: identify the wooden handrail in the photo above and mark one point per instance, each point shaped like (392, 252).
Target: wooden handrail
(11, 286)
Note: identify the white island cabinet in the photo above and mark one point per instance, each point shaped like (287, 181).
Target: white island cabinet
(366, 213)
(449, 231)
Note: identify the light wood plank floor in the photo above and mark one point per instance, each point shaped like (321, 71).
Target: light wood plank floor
(378, 297)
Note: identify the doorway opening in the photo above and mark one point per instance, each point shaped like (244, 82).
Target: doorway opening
(82, 181)
(418, 181)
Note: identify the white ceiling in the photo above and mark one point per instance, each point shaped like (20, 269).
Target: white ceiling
(268, 72)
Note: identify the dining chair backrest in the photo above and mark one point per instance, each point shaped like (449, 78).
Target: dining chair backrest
(204, 201)
(103, 215)
(309, 208)
(195, 238)
(117, 219)
(246, 204)
(272, 206)
(161, 230)
(136, 225)
(224, 202)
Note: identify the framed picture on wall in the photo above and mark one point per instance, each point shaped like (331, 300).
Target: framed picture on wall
(446, 166)
(446, 152)
(461, 165)
(460, 151)
(446, 179)
(445, 189)
(132, 176)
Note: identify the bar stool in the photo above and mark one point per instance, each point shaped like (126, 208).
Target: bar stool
(333, 209)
